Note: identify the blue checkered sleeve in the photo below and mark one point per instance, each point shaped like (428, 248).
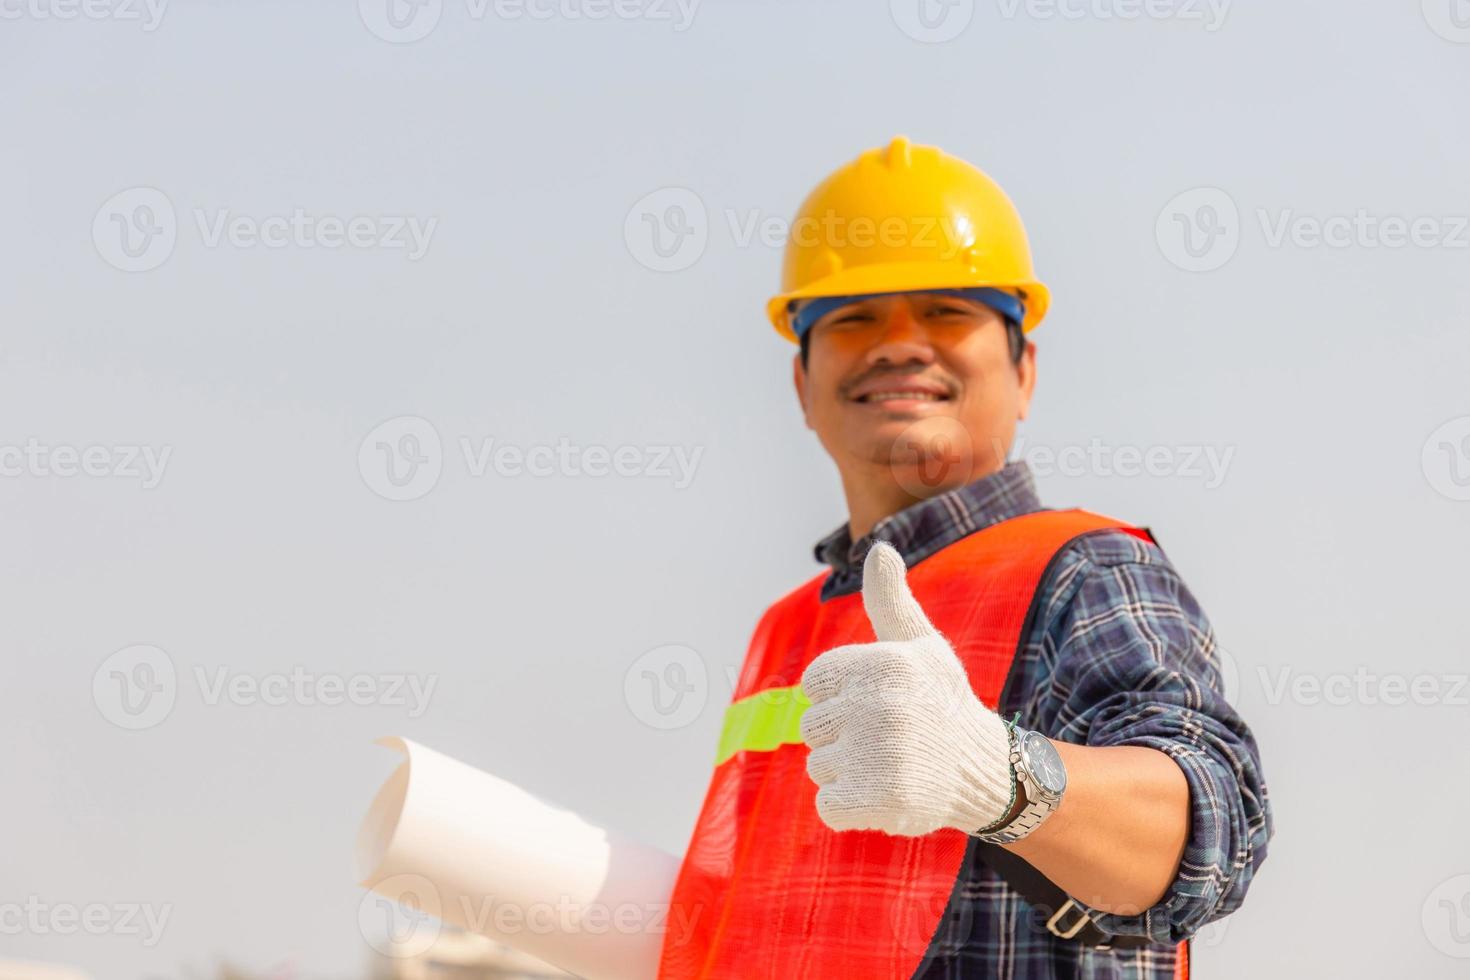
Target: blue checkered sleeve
(1122, 654)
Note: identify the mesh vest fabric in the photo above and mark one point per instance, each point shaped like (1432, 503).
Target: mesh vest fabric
(768, 890)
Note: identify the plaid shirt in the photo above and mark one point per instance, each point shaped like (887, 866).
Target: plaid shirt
(1119, 654)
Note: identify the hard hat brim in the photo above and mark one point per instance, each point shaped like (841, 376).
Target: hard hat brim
(900, 277)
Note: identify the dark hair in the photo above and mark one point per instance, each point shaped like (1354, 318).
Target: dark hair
(1015, 339)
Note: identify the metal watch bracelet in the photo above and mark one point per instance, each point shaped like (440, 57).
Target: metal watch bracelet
(1038, 806)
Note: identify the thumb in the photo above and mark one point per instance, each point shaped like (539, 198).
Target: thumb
(892, 608)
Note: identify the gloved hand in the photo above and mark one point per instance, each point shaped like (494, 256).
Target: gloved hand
(898, 740)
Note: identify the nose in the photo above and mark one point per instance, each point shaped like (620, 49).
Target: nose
(903, 339)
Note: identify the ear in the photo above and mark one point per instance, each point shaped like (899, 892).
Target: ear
(798, 378)
(1026, 376)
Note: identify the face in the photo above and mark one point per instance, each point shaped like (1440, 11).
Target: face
(917, 387)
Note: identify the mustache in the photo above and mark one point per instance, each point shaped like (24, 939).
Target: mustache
(846, 388)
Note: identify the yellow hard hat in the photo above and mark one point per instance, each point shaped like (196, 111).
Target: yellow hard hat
(901, 218)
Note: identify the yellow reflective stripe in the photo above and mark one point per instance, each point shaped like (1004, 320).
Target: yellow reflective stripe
(763, 722)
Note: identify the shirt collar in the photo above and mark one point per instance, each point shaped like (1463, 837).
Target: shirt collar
(923, 528)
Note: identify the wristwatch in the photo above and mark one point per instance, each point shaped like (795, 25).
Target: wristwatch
(1041, 779)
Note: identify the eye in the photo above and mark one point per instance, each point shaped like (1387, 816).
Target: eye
(851, 316)
(948, 310)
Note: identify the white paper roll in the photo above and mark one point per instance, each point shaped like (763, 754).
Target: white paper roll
(19, 970)
(485, 855)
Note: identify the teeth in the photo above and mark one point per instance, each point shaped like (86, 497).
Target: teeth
(884, 396)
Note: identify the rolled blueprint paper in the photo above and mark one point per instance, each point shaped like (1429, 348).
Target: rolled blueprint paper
(26, 970)
(481, 853)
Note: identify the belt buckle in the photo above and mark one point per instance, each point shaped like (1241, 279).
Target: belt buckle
(1083, 920)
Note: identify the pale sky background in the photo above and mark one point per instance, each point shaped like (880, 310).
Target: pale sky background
(1330, 378)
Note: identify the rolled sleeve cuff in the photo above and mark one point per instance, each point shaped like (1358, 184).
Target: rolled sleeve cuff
(1211, 877)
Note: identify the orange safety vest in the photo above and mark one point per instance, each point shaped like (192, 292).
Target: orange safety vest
(768, 890)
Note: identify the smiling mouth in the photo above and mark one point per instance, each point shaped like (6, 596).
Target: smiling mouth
(879, 397)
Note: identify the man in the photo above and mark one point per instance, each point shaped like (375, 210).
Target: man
(1008, 753)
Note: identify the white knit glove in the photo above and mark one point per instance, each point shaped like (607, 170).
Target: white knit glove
(898, 740)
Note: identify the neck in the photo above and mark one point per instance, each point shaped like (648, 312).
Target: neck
(874, 495)
(869, 502)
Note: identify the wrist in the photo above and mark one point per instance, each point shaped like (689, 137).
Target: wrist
(1040, 780)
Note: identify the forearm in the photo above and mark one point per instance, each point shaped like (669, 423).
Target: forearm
(1116, 840)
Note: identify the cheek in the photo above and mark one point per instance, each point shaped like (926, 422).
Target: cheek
(986, 374)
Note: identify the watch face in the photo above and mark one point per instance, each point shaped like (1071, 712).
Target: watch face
(1044, 763)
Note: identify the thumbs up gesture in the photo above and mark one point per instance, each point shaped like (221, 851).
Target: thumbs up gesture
(899, 742)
